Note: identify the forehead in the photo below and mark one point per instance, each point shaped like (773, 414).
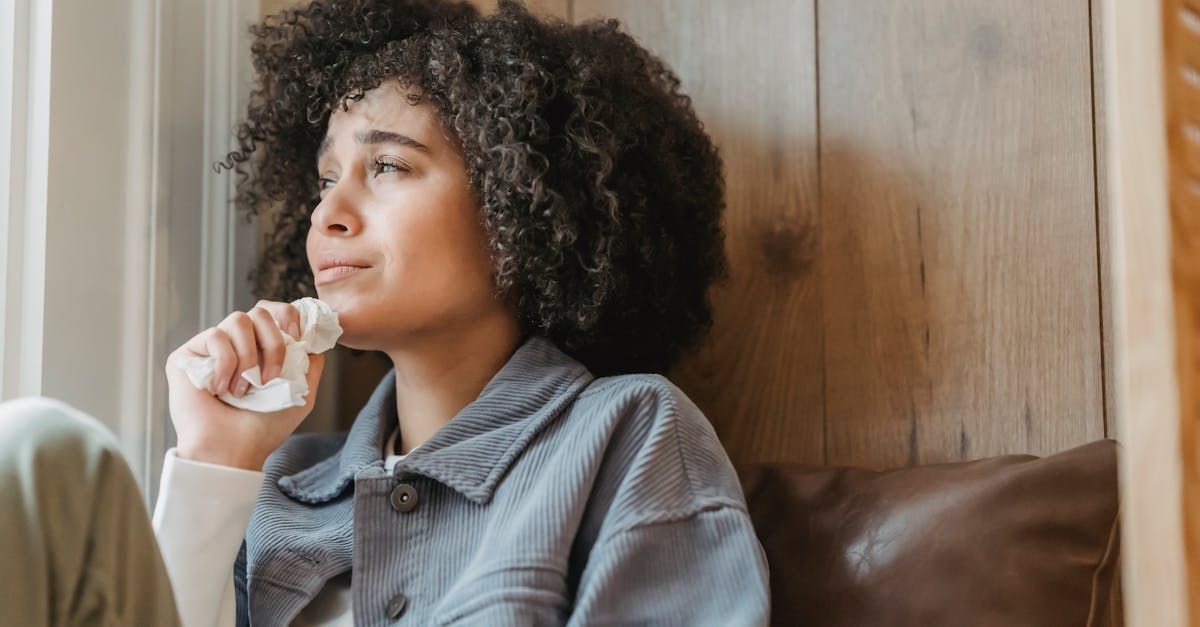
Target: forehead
(385, 107)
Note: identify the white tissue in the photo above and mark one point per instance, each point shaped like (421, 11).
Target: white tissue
(319, 332)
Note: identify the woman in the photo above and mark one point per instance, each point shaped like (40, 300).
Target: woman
(524, 217)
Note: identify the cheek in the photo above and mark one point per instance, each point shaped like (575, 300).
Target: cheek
(471, 244)
(308, 246)
(428, 248)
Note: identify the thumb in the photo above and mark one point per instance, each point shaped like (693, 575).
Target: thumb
(178, 378)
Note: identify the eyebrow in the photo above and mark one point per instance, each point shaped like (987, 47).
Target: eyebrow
(376, 136)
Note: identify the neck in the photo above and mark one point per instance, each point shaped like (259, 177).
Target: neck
(437, 376)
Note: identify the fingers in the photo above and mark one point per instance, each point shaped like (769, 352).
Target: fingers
(286, 317)
(240, 328)
(216, 343)
(270, 343)
(244, 340)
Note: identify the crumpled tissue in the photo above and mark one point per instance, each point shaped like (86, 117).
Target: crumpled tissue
(319, 332)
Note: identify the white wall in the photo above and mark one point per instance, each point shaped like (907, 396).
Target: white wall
(118, 240)
(68, 150)
(84, 360)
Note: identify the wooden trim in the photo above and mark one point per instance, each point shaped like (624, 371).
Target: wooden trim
(1103, 215)
(1147, 400)
(1181, 52)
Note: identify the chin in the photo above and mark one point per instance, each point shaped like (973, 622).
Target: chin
(342, 305)
(358, 346)
(353, 340)
(351, 334)
(355, 334)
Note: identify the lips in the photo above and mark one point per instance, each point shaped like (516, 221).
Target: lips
(331, 260)
(335, 273)
(332, 267)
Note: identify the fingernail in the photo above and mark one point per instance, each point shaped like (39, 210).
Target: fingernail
(241, 386)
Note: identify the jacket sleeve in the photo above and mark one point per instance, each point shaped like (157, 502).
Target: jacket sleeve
(200, 519)
(704, 569)
(668, 540)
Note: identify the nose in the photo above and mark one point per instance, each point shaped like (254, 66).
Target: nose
(337, 213)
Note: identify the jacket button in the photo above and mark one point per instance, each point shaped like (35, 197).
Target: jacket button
(396, 606)
(404, 497)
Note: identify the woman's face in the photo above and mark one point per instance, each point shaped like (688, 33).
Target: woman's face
(395, 200)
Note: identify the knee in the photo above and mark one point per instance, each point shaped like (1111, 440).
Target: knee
(50, 425)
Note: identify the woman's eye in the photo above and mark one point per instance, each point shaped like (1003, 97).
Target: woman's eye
(380, 166)
(376, 166)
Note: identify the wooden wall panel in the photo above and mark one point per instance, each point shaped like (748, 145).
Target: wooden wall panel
(752, 74)
(556, 8)
(959, 232)
(932, 293)
(270, 7)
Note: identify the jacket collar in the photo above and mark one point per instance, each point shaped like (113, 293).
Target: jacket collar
(470, 453)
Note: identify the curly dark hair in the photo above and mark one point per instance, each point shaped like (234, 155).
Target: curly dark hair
(600, 192)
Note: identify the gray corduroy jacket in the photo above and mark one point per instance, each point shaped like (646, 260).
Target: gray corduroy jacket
(553, 498)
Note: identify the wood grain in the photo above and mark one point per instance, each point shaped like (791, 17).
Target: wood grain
(1145, 375)
(938, 296)
(959, 257)
(555, 8)
(1181, 45)
(270, 7)
(759, 377)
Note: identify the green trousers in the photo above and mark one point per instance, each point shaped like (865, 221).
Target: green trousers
(76, 544)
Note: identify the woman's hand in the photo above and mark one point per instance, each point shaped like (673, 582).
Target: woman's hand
(208, 429)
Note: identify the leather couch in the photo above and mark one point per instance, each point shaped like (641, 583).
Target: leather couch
(1014, 540)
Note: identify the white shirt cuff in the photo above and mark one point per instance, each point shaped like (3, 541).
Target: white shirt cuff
(200, 519)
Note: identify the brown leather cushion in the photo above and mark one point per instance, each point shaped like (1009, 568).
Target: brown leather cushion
(1011, 540)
